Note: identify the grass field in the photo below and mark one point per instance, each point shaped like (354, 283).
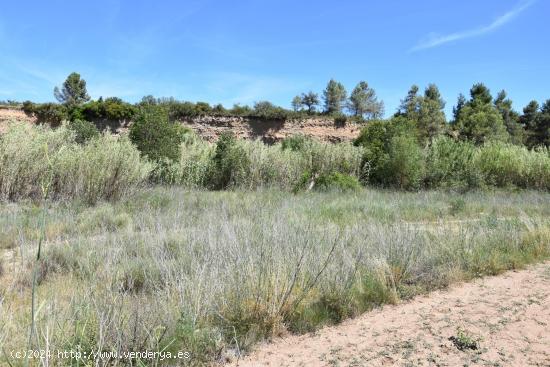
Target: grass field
(211, 273)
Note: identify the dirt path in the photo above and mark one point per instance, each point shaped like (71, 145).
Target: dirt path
(508, 316)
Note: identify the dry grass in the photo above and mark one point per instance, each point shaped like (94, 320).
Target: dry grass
(213, 272)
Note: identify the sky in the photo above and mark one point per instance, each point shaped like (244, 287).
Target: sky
(250, 50)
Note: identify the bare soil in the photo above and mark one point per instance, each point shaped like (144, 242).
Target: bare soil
(494, 321)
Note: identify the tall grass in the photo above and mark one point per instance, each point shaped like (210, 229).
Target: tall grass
(104, 168)
(264, 166)
(214, 272)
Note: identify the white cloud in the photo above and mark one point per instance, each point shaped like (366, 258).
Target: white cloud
(435, 40)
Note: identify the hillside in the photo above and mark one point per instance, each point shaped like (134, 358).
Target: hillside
(210, 127)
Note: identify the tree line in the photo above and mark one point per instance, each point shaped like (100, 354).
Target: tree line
(479, 118)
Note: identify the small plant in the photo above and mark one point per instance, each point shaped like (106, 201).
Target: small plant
(340, 120)
(463, 341)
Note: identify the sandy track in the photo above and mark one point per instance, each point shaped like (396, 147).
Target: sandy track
(509, 314)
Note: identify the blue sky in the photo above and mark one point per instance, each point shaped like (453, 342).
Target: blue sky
(244, 51)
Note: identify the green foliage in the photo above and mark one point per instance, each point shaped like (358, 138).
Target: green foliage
(340, 119)
(294, 143)
(296, 104)
(50, 113)
(431, 118)
(404, 167)
(337, 181)
(310, 100)
(155, 136)
(382, 152)
(506, 165)
(113, 109)
(479, 120)
(334, 96)
(229, 163)
(73, 92)
(449, 164)
(510, 118)
(83, 130)
(364, 103)
(267, 110)
(537, 124)
(239, 110)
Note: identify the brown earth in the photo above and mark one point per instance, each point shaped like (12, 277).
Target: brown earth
(8, 115)
(270, 131)
(210, 127)
(507, 318)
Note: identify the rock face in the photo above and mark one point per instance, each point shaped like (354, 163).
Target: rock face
(211, 127)
(271, 131)
(8, 115)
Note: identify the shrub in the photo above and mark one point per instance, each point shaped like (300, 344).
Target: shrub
(157, 137)
(333, 181)
(392, 153)
(229, 163)
(340, 120)
(50, 113)
(405, 165)
(294, 143)
(83, 130)
(239, 110)
(35, 157)
(449, 164)
(504, 165)
(267, 110)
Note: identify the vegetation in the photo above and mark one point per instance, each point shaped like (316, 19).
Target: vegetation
(212, 273)
(104, 168)
(155, 136)
(73, 92)
(299, 238)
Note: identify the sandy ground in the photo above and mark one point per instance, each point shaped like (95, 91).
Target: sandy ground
(508, 316)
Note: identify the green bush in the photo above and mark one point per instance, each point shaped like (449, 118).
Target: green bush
(155, 136)
(505, 165)
(392, 154)
(50, 113)
(294, 143)
(113, 109)
(267, 110)
(333, 181)
(449, 164)
(405, 165)
(340, 120)
(229, 163)
(83, 130)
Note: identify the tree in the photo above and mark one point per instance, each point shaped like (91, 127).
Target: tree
(311, 101)
(481, 94)
(537, 123)
(297, 103)
(510, 118)
(461, 101)
(431, 118)
(335, 96)
(155, 136)
(479, 120)
(410, 105)
(73, 92)
(364, 103)
(543, 127)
